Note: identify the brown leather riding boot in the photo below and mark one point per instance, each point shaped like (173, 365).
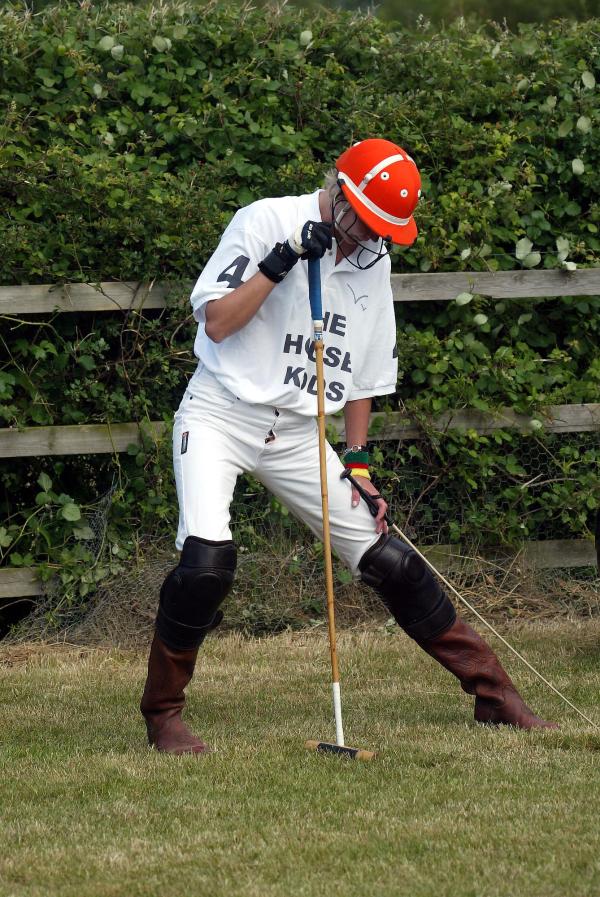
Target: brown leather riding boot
(169, 672)
(465, 654)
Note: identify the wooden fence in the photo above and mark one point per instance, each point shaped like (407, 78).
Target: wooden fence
(112, 438)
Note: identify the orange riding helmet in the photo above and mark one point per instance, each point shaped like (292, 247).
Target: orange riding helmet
(383, 185)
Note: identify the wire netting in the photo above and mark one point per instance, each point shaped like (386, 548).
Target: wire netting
(435, 505)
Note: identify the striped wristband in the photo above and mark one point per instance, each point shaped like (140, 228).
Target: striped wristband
(356, 459)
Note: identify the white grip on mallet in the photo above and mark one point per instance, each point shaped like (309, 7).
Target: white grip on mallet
(337, 710)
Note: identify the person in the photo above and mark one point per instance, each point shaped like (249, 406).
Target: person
(250, 407)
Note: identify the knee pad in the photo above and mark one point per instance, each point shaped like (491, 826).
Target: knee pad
(407, 588)
(192, 592)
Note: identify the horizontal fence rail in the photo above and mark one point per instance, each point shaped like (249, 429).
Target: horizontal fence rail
(109, 296)
(79, 439)
(16, 582)
(496, 285)
(112, 296)
(550, 554)
(84, 439)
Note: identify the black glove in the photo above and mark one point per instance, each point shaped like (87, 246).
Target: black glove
(312, 240)
(309, 240)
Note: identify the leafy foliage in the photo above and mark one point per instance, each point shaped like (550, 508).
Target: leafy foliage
(131, 133)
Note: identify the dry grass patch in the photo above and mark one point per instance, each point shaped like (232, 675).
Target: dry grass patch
(281, 586)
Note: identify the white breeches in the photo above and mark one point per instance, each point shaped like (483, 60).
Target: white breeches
(217, 437)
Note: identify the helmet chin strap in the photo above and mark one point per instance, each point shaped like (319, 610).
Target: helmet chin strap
(378, 253)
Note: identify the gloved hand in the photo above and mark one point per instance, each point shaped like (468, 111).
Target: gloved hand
(309, 240)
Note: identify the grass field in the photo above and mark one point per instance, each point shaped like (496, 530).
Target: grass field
(448, 808)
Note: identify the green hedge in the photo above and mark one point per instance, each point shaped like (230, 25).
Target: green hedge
(131, 133)
(129, 138)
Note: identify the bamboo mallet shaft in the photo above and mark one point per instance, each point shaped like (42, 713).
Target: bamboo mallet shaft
(314, 280)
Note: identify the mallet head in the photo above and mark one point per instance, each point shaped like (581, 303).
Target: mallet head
(325, 747)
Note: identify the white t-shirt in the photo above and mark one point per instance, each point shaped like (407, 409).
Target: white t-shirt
(270, 361)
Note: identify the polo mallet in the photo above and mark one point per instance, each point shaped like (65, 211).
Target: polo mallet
(314, 293)
(371, 502)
